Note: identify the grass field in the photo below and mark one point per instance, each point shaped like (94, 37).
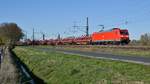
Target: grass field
(58, 68)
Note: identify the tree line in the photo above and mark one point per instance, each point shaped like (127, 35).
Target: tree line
(144, 40)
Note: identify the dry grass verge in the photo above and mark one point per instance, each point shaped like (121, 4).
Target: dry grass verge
(9, 74)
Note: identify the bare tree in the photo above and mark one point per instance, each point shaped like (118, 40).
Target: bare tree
(145, 39)
(10, 33)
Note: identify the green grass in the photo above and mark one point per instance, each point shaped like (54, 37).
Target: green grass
(58, 68)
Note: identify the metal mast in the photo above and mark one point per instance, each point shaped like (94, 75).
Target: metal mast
(33, 38)
(87, 27)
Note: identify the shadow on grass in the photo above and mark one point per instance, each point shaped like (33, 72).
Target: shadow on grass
(36, 79)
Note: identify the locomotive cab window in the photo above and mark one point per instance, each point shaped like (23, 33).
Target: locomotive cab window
(124, 33)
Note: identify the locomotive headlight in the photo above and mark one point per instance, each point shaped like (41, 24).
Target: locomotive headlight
(125, 36)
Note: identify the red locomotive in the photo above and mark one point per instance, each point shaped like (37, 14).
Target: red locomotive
(112, 36)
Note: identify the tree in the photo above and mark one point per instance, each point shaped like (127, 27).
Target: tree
(10, 33)
(134, 42)
(145, 39)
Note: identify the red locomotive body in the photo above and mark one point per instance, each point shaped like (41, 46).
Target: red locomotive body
(113, 36)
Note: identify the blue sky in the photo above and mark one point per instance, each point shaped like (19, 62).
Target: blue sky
(58, 16)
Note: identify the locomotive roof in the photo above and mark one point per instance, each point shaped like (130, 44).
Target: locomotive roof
(109, 30)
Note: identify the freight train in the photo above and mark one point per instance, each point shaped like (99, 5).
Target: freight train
(115, 36)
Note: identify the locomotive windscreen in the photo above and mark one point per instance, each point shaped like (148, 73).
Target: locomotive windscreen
(124, 32)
